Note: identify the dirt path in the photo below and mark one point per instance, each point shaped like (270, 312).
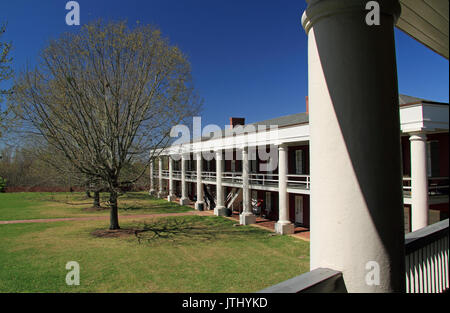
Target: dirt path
(106, 217)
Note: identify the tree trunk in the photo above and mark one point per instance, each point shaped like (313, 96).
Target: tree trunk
(96, 199)
(114, 216)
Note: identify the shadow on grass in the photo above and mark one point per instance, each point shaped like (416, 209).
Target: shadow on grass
(136, 196)
(182, 230)
(162, 206)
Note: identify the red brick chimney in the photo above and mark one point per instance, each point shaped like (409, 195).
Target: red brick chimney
(235, 121)
(307, 105)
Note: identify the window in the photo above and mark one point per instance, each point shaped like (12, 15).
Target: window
(299, 209)
(299, 162)
(433, 169)
(253, 165)
(268, 202)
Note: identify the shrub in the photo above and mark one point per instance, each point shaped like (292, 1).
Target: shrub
(2, 184)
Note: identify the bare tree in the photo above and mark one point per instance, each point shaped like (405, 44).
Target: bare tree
(5, 74)
(107, 97)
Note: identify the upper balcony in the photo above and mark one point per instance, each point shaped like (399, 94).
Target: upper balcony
(299, 184)
(438, 190)
(438, 187)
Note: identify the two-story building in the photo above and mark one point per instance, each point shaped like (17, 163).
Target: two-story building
(263, 168)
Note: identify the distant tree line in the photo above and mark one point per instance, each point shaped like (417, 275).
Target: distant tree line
(24, 170)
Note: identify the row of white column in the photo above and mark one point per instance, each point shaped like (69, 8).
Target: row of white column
(419, 185)
(283, 226)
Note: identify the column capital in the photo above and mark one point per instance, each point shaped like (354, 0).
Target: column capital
(282, 147)
(184, 156)
(319, 9)
(219, 154)
(418, 137)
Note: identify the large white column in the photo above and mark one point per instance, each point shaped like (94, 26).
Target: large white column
(160, 180)
(419, 181)
(171, 196)
(220, 209)
(152, 178)
(356, 180)
(284, 225)
(247, 217)
(199, 204)
(184, 198)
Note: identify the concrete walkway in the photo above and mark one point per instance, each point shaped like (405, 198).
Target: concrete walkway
(106, 217)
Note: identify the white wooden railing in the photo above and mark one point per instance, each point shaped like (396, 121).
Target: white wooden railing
(426, 261)
(426, 252)
(211, 176)
(191, 175)
(297, 180)
(436, 185)
(263, 179)
(232, 177)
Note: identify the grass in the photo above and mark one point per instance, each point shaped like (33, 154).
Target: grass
(175, 254)
(36, 205)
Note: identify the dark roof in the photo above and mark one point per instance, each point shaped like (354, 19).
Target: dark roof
(301, 118)
(293, 119)
(297, 118)
(405, 99)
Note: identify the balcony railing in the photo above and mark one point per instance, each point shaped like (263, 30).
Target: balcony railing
(210, 176)
(191, 175)
(426, 264)
(298, 181)
(232, 177)
(263, 179)
(320, 280)
(436, 186)
(426, 253)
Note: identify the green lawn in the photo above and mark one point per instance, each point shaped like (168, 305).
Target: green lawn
(189, 254)
(35, 205)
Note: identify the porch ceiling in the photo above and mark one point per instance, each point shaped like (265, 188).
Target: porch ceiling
(427, 22)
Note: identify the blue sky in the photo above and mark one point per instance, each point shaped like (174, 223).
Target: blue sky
(249, 57)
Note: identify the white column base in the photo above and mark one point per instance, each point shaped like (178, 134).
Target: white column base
(184, 201)
(247, 219)
(284, 228)
(199, 206)
(171, 198)
(220, 211)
